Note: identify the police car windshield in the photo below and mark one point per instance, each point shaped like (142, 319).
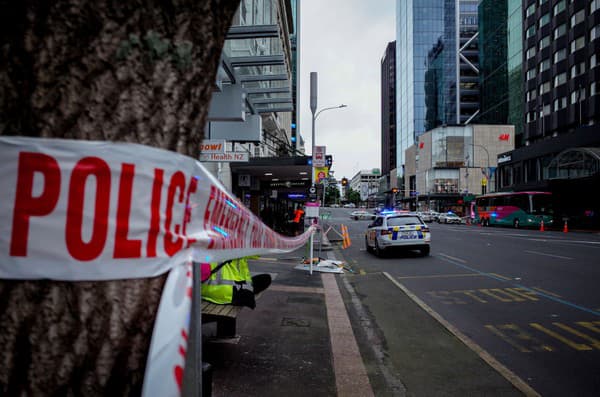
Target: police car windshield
(403, 221)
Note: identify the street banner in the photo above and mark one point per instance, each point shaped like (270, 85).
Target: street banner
(320, 173)
(93, 210)
(319, 159)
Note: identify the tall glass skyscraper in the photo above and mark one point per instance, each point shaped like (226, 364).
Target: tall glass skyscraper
(430, 34)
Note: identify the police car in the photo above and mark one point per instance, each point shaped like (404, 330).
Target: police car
(391, 230)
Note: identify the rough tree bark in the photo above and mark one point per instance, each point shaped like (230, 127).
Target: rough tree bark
(134, 71)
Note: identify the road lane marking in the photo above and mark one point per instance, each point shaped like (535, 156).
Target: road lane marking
(555, 335)
(453, 258)
(483, 354)
(501, 276)
(547, 296)
(441, 276)
(546, 292)
(552, 255)
(594, 342)
(510, 332)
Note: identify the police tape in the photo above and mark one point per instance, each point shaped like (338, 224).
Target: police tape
(87, 210)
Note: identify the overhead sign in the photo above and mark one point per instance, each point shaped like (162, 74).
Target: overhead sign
(228, 157)
(212, 146)
(504, 158)
(319, 157)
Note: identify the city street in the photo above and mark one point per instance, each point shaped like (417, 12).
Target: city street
(528, 298)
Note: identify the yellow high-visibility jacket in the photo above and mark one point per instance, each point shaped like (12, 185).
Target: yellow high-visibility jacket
(219, 287)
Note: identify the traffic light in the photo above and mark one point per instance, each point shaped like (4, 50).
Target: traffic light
(395, 190)
(344, 181)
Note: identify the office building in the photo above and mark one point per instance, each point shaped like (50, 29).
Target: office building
(558, 149)
(437, 68)
(388, 114)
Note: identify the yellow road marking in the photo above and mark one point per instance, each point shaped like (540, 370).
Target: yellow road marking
(524, 293)
(546, 292)
(591, 325)
(501, 276)
(494, 294)
(574, 345)
(471, 293)
(362, 272)
(594, 342)
(485, 356)
(521, 335)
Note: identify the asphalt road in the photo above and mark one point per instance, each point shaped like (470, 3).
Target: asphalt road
(530, 299)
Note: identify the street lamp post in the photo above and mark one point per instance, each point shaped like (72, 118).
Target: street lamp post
(315, 114)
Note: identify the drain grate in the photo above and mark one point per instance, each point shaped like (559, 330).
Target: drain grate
(295, 322)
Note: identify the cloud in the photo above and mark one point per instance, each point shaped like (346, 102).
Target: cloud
(344, 41)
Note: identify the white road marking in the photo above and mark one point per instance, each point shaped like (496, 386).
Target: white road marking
(544, 254)
(453, 258)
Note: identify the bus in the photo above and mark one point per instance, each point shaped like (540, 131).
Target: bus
(516, 209)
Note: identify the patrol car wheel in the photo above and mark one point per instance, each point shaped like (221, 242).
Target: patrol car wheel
(369, 249)
(378, 249)
(424, 251)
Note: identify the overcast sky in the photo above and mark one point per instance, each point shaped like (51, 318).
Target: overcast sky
(344, 41)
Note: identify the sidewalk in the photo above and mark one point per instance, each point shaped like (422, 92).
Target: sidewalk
(299, 341)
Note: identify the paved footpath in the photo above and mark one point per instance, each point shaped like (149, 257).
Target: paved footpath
(313, 335)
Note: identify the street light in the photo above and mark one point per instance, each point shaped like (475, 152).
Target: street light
(314, 118)
(315, 114)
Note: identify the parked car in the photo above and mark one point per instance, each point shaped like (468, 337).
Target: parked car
(449, 217)
(361, 214)
(427, 216)
(398, 231)
(349, 205)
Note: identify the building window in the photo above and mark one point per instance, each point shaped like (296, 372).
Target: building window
(594, 5)
(531, 95)
(593, 88)
(560, 55)
(543, 1)
(560, 78)
(578, 17)
(559, 7)
(560, 103)
(530, 10)
(544, 42)
(544, 65)
(530, 32)
(530, 116)
(544, 20)
(531, 52)
(560, 31)
(577, 44)
(544, 88)
(578, 95)
(531, 74)
(546, 110)
(577, 69)
(593, 62)
(595, 32)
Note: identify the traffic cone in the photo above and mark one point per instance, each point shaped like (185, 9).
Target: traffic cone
(542, 226)
(565, 228)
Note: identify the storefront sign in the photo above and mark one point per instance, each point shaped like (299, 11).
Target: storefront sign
(212, 146)
(319, 157)
(228, 157)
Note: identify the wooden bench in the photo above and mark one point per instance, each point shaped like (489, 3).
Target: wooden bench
(224, 315)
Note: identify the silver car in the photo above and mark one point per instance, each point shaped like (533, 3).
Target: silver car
(397, 230)
(361, 214)
(449, 217)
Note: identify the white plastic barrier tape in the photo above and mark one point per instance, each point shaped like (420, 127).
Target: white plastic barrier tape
(85, 210)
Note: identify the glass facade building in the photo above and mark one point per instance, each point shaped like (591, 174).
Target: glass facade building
(426, 49)
(514, 52)
(437, 67)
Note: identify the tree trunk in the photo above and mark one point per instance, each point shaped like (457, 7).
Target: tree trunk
(133, 71)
